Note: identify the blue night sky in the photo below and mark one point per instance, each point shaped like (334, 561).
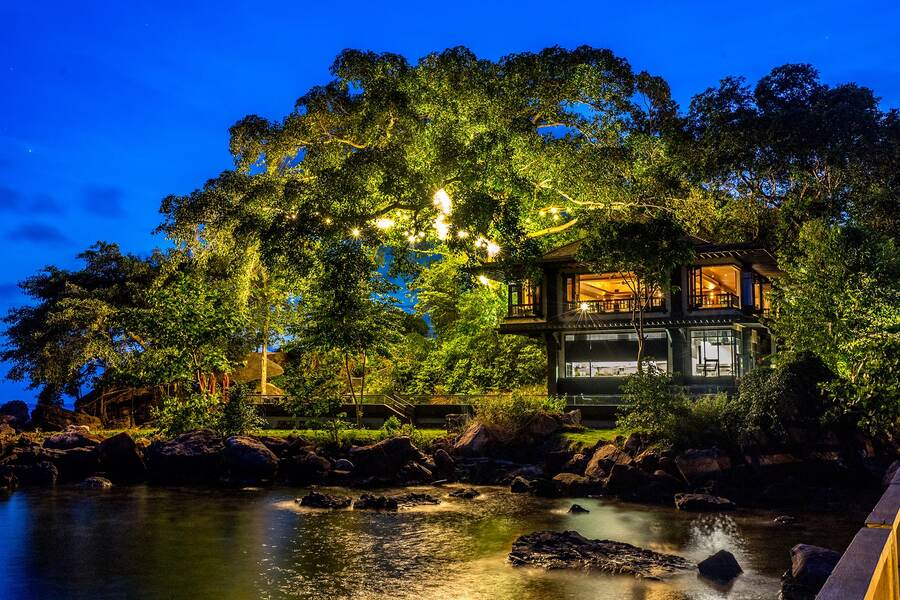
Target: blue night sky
(106, 107)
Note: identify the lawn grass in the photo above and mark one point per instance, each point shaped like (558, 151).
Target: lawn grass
(591, 437)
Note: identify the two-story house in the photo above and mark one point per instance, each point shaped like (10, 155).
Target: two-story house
(707, 332)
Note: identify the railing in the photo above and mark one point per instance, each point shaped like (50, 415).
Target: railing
(623, 305)
(868, 570)
(715, 300)
(524, 310)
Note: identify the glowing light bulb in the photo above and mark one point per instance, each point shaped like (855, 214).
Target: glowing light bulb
(412, 238)
(711, 286)
(462, 234)
(442, 201)
(492, 249)
(384, 223)
(442, 227)
(355, 232)
(328, 220)
(483, 280)
(583, 307)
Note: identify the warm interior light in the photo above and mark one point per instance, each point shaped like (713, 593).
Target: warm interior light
(442, 227)
(442, 201)
(711, 286)
(583, 307)
(384, 223)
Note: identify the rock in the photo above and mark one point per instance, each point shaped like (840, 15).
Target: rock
(444, 464)
(520, 485)
(544, 488)
(812, 565)
(667, 464)
(465, 493)
(572, 418)
(8, 437)
(555, 460)
(370, 502)
(576, 464)
(121, 459)
(648, 460)
(96, 483)
(702, 503)
(43, 473)
(248, 461)
(577, 509)
(702, 465)
(721, 567)
(75, 464)
(633, 444)
(280, 447)
(342, 464)
(477, 440)
(891, 473)
(625, 480)
(570, 484)
(18, 410)
(305, 467)
(540, 427)
(385, 458)
(320, 500)
(71, 439)
(413, 472)
(8, 480)
(785, 521)
(47, 417)
(415, 499)
(603, 460)
(193, 457)
(570, 550)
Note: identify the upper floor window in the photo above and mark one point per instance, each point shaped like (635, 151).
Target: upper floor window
(604, 293)
(715, 286)
(524, 299)
(756, 292)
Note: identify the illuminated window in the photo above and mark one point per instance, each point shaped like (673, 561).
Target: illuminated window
(715, 353)
(603, 293)
(524, 299)
(715, 286)
(612, 354)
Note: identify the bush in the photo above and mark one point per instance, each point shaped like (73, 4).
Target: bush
(239, 415)
(236, 416)
(510, 412)
(770, 400)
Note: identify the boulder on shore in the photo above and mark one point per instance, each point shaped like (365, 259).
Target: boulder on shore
(96, 483)
(577, 509)
(702, 503)
(248, 461)
(320, 500)
(570, 484)
(304, 467)
(477, 440)
(193, 457)
(810, 568)
(370, 502)
(16, 409)
(571, 550)
(415, 499)
(121, 459)
(74, 464)
(43, 474)
(465, 493)
(702, 465)
(444, 465)
(49, 417)
(721, 567)
(603, 459)
(384, 459)
(71, 439)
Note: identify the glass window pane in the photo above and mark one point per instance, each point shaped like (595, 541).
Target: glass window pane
(612, 354)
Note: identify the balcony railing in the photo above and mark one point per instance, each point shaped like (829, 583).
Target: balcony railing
(524, 310)
(715, 300)
(624, 305)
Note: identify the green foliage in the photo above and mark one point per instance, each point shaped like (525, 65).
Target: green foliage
(239, 415)
(179, 415)
(654, 405)
(511, 412)
(840, 298)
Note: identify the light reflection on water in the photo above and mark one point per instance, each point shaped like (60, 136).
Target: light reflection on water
(144, 542)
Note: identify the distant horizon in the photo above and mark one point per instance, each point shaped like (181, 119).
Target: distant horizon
(113, 108)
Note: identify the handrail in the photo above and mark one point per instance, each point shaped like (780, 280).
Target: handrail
(868, 570)
(621, 305)
(715, 300)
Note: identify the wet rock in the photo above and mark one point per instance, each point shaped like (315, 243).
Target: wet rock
(577, 509)
(465, 493)
(633, 444)
(520, 485)
(576, 464)
(540, 427)
(648, 460)
(71, 439)
(624, 479)
(41, 474)
(96, 483)
(812, 565)
(555, 460)
(702, 465)
(570, 550)
(785, 521)
(8, 437)
(193, 457)
(121, 459)
(75, 464)
(342, 464)
(305, 467)
(572, 418)
(280, 447)
(370, 502)
(721, 567)
(415, 499)
(320, 500)
(248, 461)
(702, 503)
(444, 464)
(477, 440)
(413, 472)
(603, 459)
(48, 417)
(384, 459)
(570, 484)
(16, 409)
(545, 488)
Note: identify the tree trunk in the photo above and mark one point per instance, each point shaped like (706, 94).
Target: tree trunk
(358, 405)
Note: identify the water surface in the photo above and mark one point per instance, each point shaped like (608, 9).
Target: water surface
(149, 542)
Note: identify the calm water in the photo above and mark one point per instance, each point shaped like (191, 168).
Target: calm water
(144, 542)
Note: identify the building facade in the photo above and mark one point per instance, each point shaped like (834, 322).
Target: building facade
(707, 332)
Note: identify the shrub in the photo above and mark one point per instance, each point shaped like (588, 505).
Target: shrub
(510, 412)
(653, 404)
(239, 415)
(178, 415)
